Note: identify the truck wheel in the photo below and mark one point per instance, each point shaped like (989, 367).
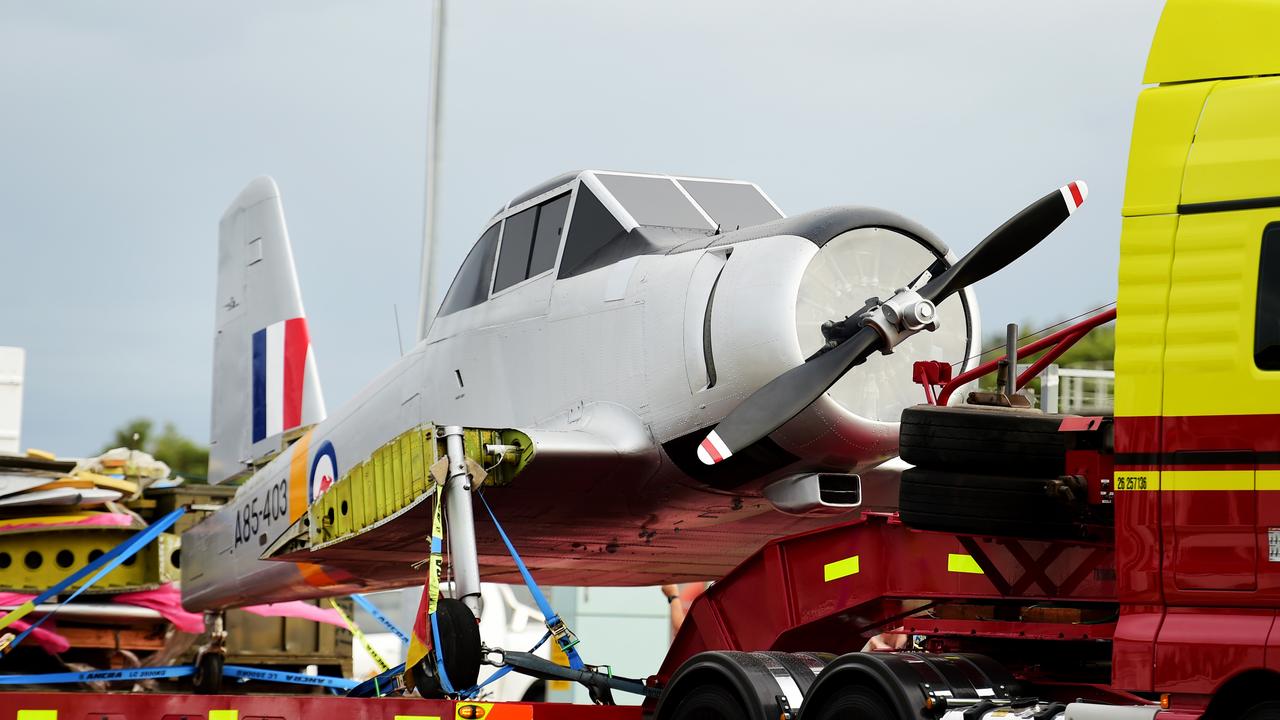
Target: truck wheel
(998, 440)
(855, 703)
(994, 505)
(709, 702)
(1264, 711)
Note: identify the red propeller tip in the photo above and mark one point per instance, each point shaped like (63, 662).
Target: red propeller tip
(1074, 193)
(713, 450)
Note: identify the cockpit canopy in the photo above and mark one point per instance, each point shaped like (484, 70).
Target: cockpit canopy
(582, 221)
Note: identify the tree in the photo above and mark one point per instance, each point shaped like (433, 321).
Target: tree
(183, 455)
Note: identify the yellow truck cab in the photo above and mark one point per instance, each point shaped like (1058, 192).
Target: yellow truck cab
(1198, 354)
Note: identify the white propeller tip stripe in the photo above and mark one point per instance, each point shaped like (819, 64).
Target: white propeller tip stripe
(713, 450)
(1074, 194)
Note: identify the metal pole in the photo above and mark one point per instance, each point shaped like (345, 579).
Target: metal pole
(462, 526)
(1011, 352)
(426, 300)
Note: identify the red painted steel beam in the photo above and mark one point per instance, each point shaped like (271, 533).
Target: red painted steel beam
(1063, 338)
(822, 589)
(143, 706)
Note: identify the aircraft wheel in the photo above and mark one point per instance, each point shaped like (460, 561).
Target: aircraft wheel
(208, 675)
(855, 703)
(460, 647)
(709, 702)
(988, 440)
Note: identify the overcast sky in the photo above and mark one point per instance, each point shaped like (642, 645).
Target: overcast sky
(128, 128)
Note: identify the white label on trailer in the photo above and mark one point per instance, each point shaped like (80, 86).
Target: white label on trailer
(1273, 544)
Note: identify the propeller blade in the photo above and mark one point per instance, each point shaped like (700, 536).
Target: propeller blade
(784, 397)
(787, 395)
(1009, 242)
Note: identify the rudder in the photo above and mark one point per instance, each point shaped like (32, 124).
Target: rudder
(266, 390)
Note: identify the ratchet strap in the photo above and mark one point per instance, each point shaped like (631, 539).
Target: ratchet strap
(555, 625)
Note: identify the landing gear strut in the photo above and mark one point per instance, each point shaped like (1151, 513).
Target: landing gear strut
(457, 620)
(211, 657)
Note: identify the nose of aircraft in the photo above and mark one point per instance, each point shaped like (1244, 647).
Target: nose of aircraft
(850, 273)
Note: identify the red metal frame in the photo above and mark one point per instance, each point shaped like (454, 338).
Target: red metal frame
(143, 706)
(807, 591)
(1059, 342)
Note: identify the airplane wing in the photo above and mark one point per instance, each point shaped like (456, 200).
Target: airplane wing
(585, 455)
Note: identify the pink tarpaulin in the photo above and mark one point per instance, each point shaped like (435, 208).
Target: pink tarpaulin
(298, 609)
(167, 601)
(52, 642)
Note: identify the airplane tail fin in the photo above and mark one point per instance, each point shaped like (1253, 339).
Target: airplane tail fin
(266, 390)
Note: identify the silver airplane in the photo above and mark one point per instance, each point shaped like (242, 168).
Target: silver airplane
(677, 349)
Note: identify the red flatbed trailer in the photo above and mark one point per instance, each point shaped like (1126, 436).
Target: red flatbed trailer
(124, 706)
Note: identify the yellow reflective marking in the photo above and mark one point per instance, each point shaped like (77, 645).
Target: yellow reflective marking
(840, 568)
(40, 715)
(958, 563)
(411, 717)
(1207, 480)
(224, 715)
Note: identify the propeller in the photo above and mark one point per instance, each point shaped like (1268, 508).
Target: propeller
(883, 327)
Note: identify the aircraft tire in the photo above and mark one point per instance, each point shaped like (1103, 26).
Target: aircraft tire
(996, 505)
(207, 679)
(987, 440)
(460, 646)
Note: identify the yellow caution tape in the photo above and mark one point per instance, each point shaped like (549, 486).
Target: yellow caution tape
(358, 635)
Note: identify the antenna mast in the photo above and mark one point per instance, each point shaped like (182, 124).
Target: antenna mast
(426, 306)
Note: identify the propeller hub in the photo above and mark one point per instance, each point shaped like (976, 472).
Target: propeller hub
(900, 317)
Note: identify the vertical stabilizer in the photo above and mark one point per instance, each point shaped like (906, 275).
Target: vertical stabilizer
(265, 387)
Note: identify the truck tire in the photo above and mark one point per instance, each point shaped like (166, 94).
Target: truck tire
(996, 505)
(854, 701)
(709, 702)
(1269, 710)
(973, 439)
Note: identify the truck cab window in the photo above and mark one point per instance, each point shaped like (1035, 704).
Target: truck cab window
(1266, 336)
(471, 285)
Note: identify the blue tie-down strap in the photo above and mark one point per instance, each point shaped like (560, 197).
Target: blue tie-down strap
(385, 621)
(176, 671)
(384, 683)
(564, 637)
(248, 673)
(155, 673)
